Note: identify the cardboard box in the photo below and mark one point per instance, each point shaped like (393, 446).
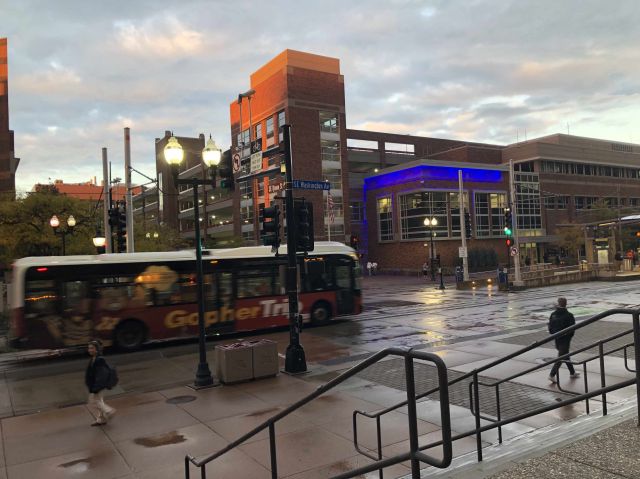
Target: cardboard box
(265, 358)
(234, 362)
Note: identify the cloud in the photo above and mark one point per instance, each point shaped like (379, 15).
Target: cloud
(474, 70)
(163, 36)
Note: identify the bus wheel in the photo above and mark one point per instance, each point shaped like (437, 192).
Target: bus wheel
(320, 313)
(130, 335)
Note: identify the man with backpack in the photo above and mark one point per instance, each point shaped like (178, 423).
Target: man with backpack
(561, 319)
(98, 377)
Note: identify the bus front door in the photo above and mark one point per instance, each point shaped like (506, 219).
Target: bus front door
(344, 288)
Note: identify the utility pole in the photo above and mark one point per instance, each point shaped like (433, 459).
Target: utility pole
(514, 209)
(295, 361)
(106, 185)
(463, 235)
(127, 185)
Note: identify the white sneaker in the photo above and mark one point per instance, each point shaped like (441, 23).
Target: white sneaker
(574, 375)
(553, 379)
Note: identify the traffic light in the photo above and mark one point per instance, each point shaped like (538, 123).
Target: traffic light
(509, 242)
(113, 217)
(121, 229)
(271, 227)
(303, 213)
(467, 224)
(225, 170)
(354, 242)
(508, 222)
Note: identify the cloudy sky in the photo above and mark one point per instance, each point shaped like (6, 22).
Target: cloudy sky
(80, 71)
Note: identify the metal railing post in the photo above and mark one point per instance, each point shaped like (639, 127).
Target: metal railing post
(378, 429)
(498, 412)
(476, 400)
(272, 451)
(586, 384)
(187, 473)
(636, 352)
(413, 419)
(602, 379)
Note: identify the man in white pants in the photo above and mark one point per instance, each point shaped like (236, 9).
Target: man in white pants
(97, 379)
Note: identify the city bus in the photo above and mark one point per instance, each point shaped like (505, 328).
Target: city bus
(126, 300)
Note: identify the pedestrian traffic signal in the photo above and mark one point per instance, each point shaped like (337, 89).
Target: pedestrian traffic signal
(467, 225)
(303, 213)
(508, 222)
(271, 227)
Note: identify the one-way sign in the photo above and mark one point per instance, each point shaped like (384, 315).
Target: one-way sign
(311, 185)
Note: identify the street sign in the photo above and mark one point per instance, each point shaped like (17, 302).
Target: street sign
(236, 162)
(514, 251)
(311, 185)
(462, 252)
(256, 162)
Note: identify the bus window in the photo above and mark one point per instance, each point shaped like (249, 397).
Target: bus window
(75, 298)
(40, 298)
(317, 275)
(258, 281)
(343, 276)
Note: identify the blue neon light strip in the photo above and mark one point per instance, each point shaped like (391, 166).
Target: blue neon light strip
(433, 173)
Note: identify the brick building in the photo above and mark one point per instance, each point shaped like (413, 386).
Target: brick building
(8, 161)
(307, 92)
(89, 191)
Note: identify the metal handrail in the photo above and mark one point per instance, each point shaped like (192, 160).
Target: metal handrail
(474, 395)
(414, 455)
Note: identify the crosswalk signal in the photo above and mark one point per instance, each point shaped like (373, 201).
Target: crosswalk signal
(508, 222)
(467, 225)
(303, 213)
(271, 227)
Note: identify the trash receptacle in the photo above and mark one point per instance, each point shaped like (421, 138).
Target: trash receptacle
(234, 362)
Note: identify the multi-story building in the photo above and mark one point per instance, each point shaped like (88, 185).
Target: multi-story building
(89, 191)
(382, 184)
(307, 92)
(173, 205)
(8, 161)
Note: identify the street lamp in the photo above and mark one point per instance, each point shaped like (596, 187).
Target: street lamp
(211, 155)
(54, 222)
(430, 223)
(99, 242)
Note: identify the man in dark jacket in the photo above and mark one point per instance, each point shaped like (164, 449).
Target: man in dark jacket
(97, 378)
(561, 319)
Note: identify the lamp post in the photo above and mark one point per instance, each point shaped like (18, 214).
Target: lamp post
(431, 222)
(99, 241)
(54, 222)
(211, 155)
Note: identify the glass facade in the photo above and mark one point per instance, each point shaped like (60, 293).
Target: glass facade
(415, 207)
(527, 187)
(385, 219)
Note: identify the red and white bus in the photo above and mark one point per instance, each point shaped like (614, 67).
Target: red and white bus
(129, 299)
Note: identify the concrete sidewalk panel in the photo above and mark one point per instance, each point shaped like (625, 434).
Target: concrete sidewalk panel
(231, 428)
(334, 406)
(552, 466)
(217, 403)
(302, 450)
(147, 420)
(394, 427)
(284, 394)
(169, 448)
(99, 462)
(350, 464)
(62, 389)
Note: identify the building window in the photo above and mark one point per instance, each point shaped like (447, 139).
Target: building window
(454, 210)
(489, 209)
(186, 205)
(385, 219)
(328, 122)
(246, 192)
(258, 132)
(281, 122)
(357, 211)
(415, 207)
(583, 202)
(270, 139)
(528, 208)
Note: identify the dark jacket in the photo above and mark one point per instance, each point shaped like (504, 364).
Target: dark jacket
(559, 320)
(97, 375)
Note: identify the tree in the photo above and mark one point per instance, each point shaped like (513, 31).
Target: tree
(25, 229)
(571, 238)
(157, 237)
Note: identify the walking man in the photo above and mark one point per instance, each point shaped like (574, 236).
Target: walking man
(97, 380)
(561, 319)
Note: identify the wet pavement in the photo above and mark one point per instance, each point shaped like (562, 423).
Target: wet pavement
(159, 420)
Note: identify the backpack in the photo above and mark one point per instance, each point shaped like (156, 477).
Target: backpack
(112, 380)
